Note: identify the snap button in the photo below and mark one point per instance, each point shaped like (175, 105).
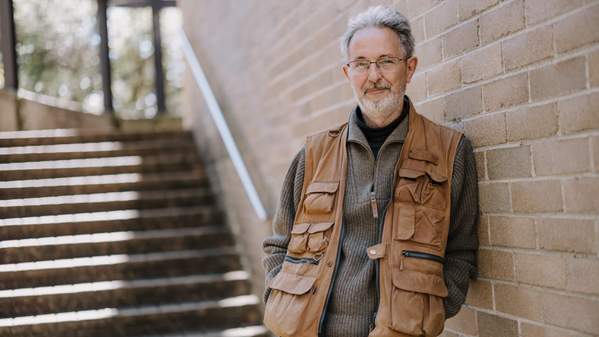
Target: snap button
(372, 251)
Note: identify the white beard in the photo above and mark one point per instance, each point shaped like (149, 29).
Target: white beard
(381, 108)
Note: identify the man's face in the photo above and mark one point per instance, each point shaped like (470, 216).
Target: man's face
(379, 91)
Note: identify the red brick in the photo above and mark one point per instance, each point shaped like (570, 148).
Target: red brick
(594, 68)
(518, 300)
(482, 64)
(481, 165)
(583, 274)
(513, 162)
(579, 113)
(563, 234)
(429, 53)
(464, 322)
(494, 197)
(502, 21)
(571, 312)
(444, 78)
(495, 326)
(539, 10)
(530, 330)
(480, 294)
(506, 92)
(566, 156)
(469, 8)
(596, 152)
(541, 270)
(512, 231)
(558, 79)
(537, 196)
(488, 129)
(483, 230)
(417, 7)
(416, 89)
(464, 103)
(532, 122)
(527, 48)
(461, 39)
(575, 30)
(495, 264)
(441, 18)
(581, 193)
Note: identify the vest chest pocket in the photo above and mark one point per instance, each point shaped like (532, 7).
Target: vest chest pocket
(421, 187)
(421, 225)
(310, 238)
(320, 197)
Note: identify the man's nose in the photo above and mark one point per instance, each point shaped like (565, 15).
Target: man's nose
(374, 72)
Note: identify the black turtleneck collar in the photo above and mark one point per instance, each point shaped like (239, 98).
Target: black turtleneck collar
(377, 136)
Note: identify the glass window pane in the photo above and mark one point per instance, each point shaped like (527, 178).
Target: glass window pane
(174, 65)
(132, 57)
(57, 50)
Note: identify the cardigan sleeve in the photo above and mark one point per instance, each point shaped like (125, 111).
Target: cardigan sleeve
(275, 246)
(462, 242)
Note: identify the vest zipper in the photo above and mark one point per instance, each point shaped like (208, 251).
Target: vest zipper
(333, 278)
(309, 260)
(422, 255)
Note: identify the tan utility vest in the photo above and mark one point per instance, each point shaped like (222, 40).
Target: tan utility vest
(410, 255)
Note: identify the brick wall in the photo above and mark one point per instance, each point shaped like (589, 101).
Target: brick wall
(519, 77)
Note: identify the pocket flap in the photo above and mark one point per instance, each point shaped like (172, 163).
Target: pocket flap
(410, 173)
(300, 228)
(292, 283)
(419, 282)
(429, 170)
(405, 228)
(323, 186)
(423, 155)
(320, 227)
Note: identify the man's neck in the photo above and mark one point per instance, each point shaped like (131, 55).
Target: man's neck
(382, 121)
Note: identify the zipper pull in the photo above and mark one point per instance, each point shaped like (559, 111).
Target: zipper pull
(375, 209)
(401, 260)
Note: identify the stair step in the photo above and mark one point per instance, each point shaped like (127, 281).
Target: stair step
(65, 136)
(122, 293)
(104, 202)
(100, 184)
(118, 267)
(71, 246)
(249, 331)
(99, 166)
(94, 150)
(110, 221)
(137, 321)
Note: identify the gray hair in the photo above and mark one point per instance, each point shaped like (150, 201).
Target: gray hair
(381, 17)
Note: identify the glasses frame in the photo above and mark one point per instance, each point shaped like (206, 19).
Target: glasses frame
(376, 63)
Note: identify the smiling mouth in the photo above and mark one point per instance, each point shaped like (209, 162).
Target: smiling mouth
(376, 91)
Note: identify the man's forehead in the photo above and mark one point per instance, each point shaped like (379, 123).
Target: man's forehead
(373, 42)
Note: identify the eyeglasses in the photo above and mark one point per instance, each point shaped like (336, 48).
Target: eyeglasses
(384, 64)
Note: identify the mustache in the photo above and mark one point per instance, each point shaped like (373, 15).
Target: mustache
(379, 85)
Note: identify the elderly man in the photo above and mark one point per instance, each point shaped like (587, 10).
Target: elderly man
(375, 231)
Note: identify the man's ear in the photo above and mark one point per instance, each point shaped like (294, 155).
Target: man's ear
(345, 70)
(411, 65)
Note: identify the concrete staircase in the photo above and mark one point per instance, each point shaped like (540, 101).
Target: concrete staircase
(115, 235)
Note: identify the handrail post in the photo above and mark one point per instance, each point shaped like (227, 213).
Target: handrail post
(102, 19)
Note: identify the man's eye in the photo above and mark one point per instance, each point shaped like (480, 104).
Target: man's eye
(386, 62)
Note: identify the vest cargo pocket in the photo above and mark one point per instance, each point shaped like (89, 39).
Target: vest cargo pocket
(318, 238)
(287, 303)
(418, 224)
(320, 197)
(417, 299)
(299, 238)
(421, 187)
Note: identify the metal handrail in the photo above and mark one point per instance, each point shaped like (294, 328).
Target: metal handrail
(223, 129)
